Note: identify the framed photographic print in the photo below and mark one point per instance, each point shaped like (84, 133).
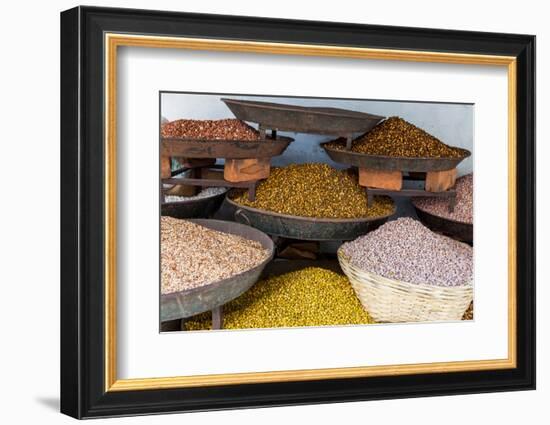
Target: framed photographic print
(261, 212)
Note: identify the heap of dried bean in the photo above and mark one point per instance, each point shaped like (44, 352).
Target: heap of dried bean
(463, 210)
(227, 129)
(307, 297)
(315, 190)
(397, 137)
(406, 250)
(193, 255)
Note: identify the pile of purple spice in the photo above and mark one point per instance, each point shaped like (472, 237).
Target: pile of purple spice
(406, 250)
(463, 211)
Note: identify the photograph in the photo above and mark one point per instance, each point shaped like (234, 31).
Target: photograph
(284, 212)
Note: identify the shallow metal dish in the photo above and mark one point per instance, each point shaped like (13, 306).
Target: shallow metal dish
(179, 305)
(230, 149)
(392, 163)
(304, 228)
(303, 119)
(195, 208)
(458, 230)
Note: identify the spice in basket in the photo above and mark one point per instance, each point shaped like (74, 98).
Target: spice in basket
(463, 210)
(407, 251)
(399, 138)
(315, 190)
(309, 297)
(227, 129)
(193, 255)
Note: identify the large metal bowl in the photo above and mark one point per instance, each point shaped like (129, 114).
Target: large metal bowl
(304, 228)
(458, 230)
(393, 163)
(179, 305)
(303, 119)
(228, 149)
(195, 208)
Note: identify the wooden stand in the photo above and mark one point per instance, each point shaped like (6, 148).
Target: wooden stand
(436, 181)
(390, 180)
(165, 167)
(241, 170)
(439, 181)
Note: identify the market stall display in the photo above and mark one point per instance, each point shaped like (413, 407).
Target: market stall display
(399, 271)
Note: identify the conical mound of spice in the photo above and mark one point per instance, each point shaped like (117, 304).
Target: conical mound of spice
(399, 138)
(408, 251)
(315, 190)
(227, 129)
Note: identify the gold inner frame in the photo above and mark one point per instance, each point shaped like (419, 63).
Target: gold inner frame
(113, 41)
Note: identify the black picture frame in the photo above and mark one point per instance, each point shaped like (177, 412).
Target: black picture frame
(83, 392)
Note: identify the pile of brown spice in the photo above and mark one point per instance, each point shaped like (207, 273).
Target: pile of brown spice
(315, 190)
(227, 129)
(399, 138)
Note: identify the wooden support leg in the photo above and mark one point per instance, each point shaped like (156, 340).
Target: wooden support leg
(452, 203)
(252, 191)
(217, 318)
(390, 180)
(440, 181)
(241, 170)
(165, 167)
(348, 142)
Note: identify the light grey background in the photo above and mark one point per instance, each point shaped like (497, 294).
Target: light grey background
(451, 123)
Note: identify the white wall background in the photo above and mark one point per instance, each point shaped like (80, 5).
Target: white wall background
(450, 123)
(29, 359)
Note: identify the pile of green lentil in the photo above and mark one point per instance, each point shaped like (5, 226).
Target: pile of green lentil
(308, 297)
(397, 137)
(315, 190)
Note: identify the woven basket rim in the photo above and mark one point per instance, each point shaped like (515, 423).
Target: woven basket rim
(343, 257)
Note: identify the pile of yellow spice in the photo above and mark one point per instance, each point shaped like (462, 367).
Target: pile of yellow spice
(308, 297)
(315, 190)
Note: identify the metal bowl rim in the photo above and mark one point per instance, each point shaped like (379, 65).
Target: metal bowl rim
(277, 140)
(305, 109)
(439, 217)
(312, 219)
(412, 158)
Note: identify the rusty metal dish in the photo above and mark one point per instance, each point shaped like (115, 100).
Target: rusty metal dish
(304, 228)
(458, 230)
(230, 149)
(195, 208)
(302, 119)
(179, 305)
(392, 163)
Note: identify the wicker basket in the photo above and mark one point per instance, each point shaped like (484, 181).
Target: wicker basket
(389, 300)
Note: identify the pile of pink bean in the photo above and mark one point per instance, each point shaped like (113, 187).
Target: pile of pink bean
(406, 250)
(463, 210)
